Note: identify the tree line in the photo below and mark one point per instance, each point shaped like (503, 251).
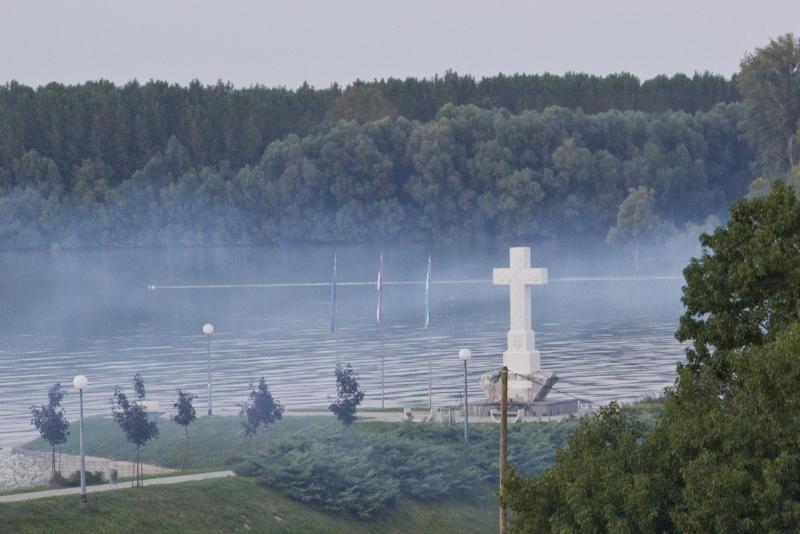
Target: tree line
(444, 159)
(468, 174)
(124, 126)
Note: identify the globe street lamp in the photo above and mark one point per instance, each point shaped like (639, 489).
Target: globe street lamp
(464, 355)
(208, 329)
(80, 382)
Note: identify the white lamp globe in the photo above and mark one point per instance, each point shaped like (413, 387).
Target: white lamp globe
(80, 382)
(464, 354)
(208, 329)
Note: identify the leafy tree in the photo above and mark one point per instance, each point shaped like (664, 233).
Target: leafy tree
(260, 409)
(743, 289)
(589, 489)
(348, 395)
(770, 85)
(361, 103)
(185, 415)
(722, 457)
(51, 422)
(637, 222)
(134, 420)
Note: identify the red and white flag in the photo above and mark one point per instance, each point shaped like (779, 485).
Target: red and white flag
(379, 311)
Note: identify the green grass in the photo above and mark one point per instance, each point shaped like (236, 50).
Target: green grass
(232, 505)
(214, 440)
(217, 442)
(248, 504)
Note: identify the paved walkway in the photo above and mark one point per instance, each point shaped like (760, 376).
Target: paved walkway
(108, 487)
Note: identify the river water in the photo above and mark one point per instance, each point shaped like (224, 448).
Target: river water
(606, 333)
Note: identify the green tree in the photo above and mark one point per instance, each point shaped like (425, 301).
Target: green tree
(769, 81)
(589, 490)
(637, 222)
(744, 288)
(134, 420)
(260, 409)
(185, 414)
(51, 422)
(722, 457)
(361, 103)
(348, 395)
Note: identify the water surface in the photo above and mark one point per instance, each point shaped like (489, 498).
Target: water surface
(90, 312)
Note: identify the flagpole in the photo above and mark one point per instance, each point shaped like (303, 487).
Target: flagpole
(379, 315)
(333, 311)
(430, 373)
(427, 327)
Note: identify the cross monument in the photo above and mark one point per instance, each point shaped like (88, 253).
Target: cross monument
(521, 358)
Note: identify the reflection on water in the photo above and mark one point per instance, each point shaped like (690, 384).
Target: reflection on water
(90, 313)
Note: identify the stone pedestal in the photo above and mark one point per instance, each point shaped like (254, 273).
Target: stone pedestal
(520, 390)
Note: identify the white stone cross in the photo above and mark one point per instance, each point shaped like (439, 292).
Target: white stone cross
(521, 356)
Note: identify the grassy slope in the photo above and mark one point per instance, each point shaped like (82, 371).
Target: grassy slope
(230, 505)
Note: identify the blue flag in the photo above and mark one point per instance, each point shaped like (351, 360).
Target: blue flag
(428, 294)
(379, 310)
(333, 297)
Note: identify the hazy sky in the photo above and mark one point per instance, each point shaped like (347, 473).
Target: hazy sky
(284, 42)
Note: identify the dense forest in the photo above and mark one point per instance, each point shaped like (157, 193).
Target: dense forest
(125, 126)
(523, 156)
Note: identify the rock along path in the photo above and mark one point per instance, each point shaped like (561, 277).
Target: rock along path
(108, 487)
(21, 468)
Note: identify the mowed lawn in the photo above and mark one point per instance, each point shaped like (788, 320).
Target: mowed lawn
(214, 441)
(235, 504)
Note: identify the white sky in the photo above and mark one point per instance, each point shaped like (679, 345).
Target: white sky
(286, 42)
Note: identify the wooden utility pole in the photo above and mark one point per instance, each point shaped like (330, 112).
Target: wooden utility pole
(503, 444)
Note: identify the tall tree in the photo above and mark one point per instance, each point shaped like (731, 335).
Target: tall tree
(637, 222)
(722, 457)
(134, 420)
(770, 85)
(261, 409)
(348, 395)
(51, 422)
(184, 416)
(744, 288)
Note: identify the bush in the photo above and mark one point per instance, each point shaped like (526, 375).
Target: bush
(388, 461)
(93, 478)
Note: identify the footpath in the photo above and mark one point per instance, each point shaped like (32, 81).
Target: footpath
(110, 487)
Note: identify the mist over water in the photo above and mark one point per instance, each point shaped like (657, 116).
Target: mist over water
(90, 312)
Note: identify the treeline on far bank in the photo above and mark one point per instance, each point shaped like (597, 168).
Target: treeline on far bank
(125, 126)
(468, 174)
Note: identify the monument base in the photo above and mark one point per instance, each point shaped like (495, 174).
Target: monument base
(528, 390)
(480, 412)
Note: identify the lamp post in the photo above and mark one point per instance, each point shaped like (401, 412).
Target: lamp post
(208, 329)
(80, 382)
(464, 355)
